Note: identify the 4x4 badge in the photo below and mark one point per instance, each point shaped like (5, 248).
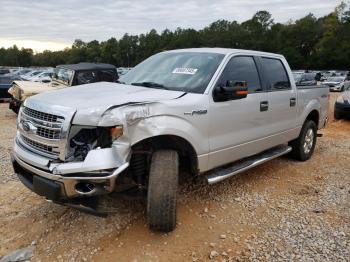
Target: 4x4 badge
(196, 112)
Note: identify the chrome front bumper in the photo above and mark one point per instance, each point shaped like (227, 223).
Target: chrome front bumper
(102, 174)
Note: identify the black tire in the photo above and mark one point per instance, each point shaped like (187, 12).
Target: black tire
(302, 150)
(162, 190)
(337, 115)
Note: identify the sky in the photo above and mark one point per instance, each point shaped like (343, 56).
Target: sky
(55, 24)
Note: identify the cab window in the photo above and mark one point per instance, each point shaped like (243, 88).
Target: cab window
(276, 74)
(242, 68)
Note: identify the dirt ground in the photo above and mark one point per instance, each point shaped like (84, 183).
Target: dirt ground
(283, 210)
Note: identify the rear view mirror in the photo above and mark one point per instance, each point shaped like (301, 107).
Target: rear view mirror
(231, 91)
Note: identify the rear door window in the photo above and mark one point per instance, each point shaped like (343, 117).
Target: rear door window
(276, 74)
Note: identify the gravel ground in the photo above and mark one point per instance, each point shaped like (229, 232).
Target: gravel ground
(280, 211)
(7, 132)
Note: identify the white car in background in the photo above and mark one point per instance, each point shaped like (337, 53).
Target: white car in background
(336, 83)
(30, 75)
(44, 77)
(123, 70)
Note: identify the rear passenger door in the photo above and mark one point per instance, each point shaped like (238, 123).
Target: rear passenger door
(282, 98)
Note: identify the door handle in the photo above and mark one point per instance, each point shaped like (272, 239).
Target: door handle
(292, 101)
(264, 106)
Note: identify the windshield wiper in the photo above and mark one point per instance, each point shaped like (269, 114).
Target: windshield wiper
(120, 82)
(150, 84)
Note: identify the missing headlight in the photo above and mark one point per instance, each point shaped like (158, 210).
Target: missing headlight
(87, 139)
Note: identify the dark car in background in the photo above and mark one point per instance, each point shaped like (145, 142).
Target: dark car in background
(7, 79)
(4, 71)
(305, 79)
(342, 105)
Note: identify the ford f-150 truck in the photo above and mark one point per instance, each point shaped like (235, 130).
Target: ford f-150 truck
(211, 111)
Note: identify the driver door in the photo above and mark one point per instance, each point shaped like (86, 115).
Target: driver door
(238, 127)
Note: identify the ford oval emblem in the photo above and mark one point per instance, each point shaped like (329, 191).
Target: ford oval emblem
(26, 126)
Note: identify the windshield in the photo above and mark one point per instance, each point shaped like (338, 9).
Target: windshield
(336, 79)
(63, 75)
(22, 72)
(35, 73)
(182, 71)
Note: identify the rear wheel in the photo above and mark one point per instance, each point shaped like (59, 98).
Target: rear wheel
(304, 146)
(162, 190)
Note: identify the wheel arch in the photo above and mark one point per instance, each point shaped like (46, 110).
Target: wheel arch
(314, 115)
(184, 148)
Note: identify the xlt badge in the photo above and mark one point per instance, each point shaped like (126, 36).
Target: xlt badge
(196, 112)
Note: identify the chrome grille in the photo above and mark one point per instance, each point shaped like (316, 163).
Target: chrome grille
(40, 132)
(39, 146)
(42, 116)
(48, 133)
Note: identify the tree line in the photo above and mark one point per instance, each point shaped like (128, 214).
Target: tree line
(307, 43)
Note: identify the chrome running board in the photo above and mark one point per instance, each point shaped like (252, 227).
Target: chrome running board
(222, 173)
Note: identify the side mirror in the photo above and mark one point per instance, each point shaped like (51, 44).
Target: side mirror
(231, 91)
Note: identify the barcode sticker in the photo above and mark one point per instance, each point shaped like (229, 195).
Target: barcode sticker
(185, 71)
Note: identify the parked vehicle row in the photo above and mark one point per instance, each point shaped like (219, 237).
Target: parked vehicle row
(27, 74)
(62, 76)
(335, 80)
(123, 70)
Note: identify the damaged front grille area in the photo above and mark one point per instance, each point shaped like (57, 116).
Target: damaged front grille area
(40, 132)
(42, 116)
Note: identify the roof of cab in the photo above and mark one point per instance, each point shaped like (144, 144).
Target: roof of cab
(226, 51)
(88, 66)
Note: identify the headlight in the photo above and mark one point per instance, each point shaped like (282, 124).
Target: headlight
(116, 132)
(340, 99)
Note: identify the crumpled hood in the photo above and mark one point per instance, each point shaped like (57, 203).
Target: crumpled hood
(92, 100)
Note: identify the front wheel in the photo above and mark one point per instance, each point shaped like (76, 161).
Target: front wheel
(304, 146)
(162, 190)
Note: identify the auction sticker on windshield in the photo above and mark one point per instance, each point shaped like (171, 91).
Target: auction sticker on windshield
(185, 71)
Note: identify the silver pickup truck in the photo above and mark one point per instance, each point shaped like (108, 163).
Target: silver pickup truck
(208, 111)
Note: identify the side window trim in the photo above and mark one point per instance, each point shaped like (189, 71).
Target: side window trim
(268, 83)
(263, 80)
(256, 67)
